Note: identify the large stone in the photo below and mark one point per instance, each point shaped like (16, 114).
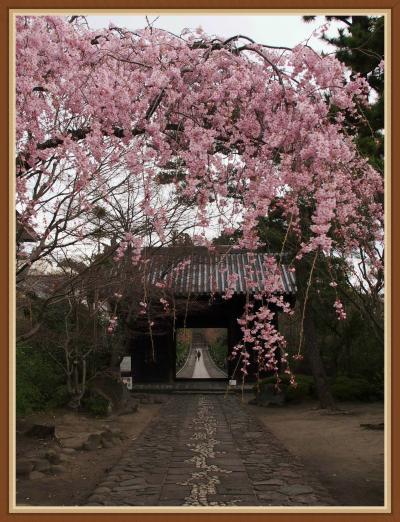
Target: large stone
(74, 442)
(130, 408)
(132, 482)
(111, 388)
(41, 465)
(95, 438)
(58, 468)
(70, 418)
(115, 432)
(288, 473)
(69, 451)
(271, 495)
(90, 446)
(108, 484)
(96, 499)
(307, 500)
(269, 482)
(72, 432)
(53, 457)
(33, 475)
(23, 467)
(102, 490)
(42, 431)
(65, 458)
(133, 487)
(65, 432)
(93, 442)
(106, 435)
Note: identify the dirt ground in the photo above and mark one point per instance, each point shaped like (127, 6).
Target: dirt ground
(84, 469)
(348, 459)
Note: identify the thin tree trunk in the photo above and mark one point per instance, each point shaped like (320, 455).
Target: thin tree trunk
(317, 366)
(115, 356)
(311, 347)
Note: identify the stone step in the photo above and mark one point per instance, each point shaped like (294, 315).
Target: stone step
(190, 387)
(198, 392)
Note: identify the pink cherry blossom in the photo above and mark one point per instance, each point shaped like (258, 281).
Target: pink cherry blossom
(252, 130)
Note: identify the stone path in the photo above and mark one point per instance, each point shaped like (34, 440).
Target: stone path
(206, 450)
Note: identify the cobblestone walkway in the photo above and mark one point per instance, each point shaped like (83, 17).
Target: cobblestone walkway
(206, 450)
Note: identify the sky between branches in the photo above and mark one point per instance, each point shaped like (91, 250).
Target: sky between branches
(284, 30)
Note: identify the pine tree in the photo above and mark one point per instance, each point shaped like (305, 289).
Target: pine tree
(360, 45)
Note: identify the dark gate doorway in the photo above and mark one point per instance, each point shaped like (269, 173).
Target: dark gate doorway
(201, 353)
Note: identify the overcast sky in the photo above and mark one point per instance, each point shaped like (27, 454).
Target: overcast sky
(285, 30)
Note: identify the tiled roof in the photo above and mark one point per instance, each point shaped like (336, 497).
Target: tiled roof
(205, 273)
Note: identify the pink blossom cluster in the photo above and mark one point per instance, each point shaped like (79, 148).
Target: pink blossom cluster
(341, 314)
(143, 308)
(165, 304)
(112, 324)
(132, 241)
(251, 128)
(67, 74)
(231, 286)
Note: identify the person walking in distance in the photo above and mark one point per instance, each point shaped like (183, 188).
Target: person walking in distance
(198, 354)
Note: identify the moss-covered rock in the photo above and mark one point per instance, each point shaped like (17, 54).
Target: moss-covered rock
(96, 403)
(107, 393)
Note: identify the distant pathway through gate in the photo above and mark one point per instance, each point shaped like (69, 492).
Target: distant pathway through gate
(202, 367)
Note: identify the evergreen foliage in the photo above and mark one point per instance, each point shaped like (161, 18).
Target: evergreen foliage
(360, 45)
(219, 350)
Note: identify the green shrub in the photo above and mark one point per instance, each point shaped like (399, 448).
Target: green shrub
(304, 389)
(343, 388)
(352, 389)
(60, 397)
(219, 352)
(28, 396)
(95, 404)
(183, 343)
(378, 386)
(37, 379)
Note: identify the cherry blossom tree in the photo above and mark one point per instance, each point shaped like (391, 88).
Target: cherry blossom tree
(234, 129)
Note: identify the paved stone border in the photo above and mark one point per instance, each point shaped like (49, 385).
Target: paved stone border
(206, 450)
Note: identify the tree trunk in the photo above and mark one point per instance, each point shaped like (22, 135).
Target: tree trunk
(317, 366)
(312, 350)
(115, 357)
